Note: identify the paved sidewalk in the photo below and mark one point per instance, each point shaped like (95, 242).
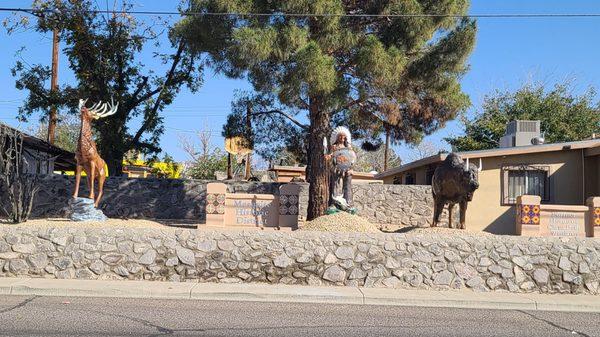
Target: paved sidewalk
(287, 293)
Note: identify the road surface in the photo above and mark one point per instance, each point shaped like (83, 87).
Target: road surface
(78, 316)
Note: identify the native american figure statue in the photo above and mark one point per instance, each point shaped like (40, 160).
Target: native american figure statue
(340, 181)
(87, 155)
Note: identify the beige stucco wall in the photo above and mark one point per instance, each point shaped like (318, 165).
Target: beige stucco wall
(486, 212)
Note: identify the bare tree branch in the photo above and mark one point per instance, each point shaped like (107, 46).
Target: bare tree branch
(169, 78)
(284, 114)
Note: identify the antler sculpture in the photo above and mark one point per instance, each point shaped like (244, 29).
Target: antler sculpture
(100, 110)
(87, 155)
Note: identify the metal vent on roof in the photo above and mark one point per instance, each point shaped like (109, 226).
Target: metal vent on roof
(520, 133)
(529, 126)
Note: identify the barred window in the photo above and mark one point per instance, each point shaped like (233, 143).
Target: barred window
(525, 179)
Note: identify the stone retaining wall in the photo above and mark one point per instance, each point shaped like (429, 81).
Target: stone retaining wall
(396, 204)
(432, 261)
(186, 199)
(144, 198)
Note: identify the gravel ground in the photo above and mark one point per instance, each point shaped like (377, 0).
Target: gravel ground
(131, 223)
(339, 222)
(345, 222)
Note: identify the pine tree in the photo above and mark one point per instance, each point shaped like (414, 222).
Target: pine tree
(334, 61)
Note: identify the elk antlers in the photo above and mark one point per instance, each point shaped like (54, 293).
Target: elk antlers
(100, 110)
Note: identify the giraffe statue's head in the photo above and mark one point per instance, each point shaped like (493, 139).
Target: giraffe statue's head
(97, 111)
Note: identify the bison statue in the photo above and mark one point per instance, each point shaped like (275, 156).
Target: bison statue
(454, 182)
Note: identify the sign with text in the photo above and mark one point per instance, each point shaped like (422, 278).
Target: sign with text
(255, 210)
(562, 223)
(536, 219)
(252, 210)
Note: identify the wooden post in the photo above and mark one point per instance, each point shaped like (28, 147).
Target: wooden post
(229, 174)
(52, 118)
(386, 154)
(248, 138)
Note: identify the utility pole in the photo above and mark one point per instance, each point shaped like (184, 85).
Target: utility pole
(248, 136)
(229, 173)
(53, 118)
(386, 149)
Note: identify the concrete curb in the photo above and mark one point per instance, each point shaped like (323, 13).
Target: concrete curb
(298, 294)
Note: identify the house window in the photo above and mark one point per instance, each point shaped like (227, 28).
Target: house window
(409, 179)
(525, 179)
(429, 175)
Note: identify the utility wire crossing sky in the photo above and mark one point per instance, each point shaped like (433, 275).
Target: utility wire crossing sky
(516, 15)
(518, 42)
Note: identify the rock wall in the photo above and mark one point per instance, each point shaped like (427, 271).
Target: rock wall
(395, 204)
(438, 261)
(186, 199)
(144, 198)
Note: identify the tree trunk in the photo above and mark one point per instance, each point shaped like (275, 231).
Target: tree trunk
(114, 161)
(317, 170)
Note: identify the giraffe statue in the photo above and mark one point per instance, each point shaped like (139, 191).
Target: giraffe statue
(87, 155)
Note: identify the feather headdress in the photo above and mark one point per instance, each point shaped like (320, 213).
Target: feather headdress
(337, 131)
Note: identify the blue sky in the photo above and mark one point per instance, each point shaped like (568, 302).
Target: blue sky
(509, 52)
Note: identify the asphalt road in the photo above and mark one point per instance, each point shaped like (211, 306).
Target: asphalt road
(77, 316)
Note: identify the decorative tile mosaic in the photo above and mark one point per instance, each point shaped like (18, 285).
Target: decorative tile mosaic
(596, 216)
(530, 214)
(215, 203)
(288, 204)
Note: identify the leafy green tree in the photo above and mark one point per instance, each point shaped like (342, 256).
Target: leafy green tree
(564, 116)
(205, 166)
(102, 51)
(375, 63)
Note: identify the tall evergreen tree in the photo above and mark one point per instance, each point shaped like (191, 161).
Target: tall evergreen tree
(338, 60)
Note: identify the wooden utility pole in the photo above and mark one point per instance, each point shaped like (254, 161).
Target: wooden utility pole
(53, 117)
(386, 153)
(229, 174)
(248, 136)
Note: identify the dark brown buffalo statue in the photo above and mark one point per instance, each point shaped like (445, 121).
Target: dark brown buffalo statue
(453, 182)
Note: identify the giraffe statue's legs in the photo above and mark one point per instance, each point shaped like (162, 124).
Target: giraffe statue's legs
(78, 169)
(92, 175)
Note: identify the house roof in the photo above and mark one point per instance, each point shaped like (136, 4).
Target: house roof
(592, 147)
(302, 169)
(65, 160)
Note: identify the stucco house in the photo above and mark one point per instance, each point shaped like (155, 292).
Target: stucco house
(560, 173)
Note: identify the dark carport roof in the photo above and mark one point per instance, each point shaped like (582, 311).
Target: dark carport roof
(65, 160)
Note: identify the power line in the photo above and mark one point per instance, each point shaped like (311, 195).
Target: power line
(457, 16)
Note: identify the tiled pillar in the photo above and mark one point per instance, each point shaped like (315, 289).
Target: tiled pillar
(215, 204)
(289, 205)
(528, 215)
(593, 223)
